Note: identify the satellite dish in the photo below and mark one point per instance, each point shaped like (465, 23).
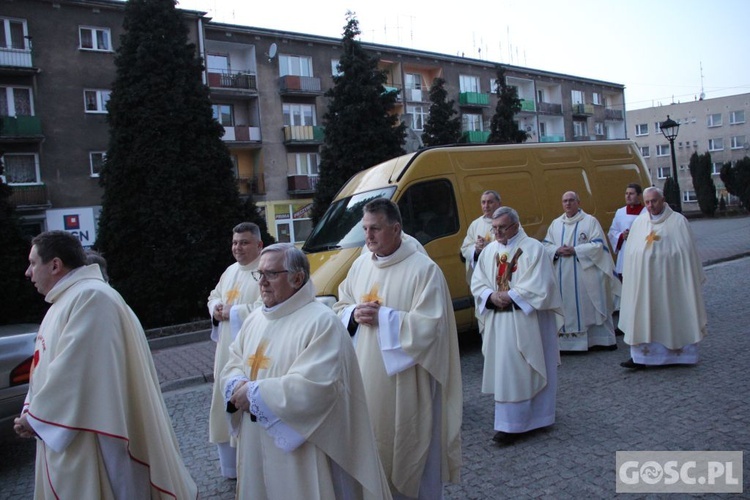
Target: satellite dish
(271, 52)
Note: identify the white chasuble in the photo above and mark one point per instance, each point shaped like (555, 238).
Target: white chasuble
(237, 289)
(662, 301)
(587, 282)
(307, 386)
(417, 338)
(95, 390)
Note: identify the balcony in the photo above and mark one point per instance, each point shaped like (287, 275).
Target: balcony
(21, 128)
(303, 134)
(241, 133)
(237, 80)
(29, 197)
(583, 109)
(550, 108)
(294, 84)
(475, 136)
(15, 58)
(528, 106)
(250, 185)
(613, 114)
(552, 138)
(473, 99)
(301, 184)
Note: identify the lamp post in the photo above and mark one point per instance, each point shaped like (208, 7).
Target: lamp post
(669, 128)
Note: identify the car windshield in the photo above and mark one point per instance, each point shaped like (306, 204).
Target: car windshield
(341, 225)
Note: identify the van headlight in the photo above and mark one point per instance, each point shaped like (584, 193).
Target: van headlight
(328, 300)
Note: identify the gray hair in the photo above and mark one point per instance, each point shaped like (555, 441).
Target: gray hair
(654, 189)
(511, 213)
(247, 227)
(295, 260)
(386, 207)
(94, 257)
(493, 193)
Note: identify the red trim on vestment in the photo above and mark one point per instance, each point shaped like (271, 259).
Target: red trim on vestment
(633, 209)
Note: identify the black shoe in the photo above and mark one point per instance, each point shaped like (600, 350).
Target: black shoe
(612, 347)
(505, 438)
(619, 332)
(632, 364)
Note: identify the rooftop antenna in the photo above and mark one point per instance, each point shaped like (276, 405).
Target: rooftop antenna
(703, 94)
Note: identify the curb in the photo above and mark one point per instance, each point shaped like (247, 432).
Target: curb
(712, 262)
(179, 339)
(174, 385)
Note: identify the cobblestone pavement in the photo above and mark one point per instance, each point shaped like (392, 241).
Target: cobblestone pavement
(602, 408)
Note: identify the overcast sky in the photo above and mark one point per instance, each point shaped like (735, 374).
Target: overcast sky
(654, 47)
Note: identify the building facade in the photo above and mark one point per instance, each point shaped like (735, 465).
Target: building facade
(267, 89)
(718, 126)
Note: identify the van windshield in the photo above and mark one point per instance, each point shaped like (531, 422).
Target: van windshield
(341, 225)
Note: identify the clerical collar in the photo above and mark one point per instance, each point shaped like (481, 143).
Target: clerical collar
(512, 240)
(659, 216)
(633, 209)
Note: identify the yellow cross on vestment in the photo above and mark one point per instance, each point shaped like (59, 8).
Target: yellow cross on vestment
(258, 360)
(232, 295)
(651, 237)
(372, 295)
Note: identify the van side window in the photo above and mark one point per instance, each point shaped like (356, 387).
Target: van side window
(428, 210)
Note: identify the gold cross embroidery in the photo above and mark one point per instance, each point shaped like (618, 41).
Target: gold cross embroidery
(258, 360)
(651, 237)
(232, 295)
(372, 295)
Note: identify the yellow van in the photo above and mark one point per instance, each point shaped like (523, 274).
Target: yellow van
(438, 191)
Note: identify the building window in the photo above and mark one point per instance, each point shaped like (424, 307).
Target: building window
(580, 129)
(716, 168)
(662, 150)
(95, 101)
(599, 128)
(689, 196)
(21, 168)
(714, 120)
(303, 164)
(645, 151)
(716, 144)
(657, 128)
(663, 172)
(576, 96)
(224, 114)
(596, 98)
(298, 115)
(736, 117)
(738, 142)
(293, 223)
(468, 83)
(418, 117)
(335, 71)
(413, 81)
(471, 122)
(16, 101)
(13, 34)
(295, 65)
(94, 38)
(641, 129)
(96, 160)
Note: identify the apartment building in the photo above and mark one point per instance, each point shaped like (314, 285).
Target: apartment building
(718, 126)
(267, 89)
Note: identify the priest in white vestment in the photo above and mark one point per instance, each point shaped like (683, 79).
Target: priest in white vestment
(94, 403)
(515, 290)
(588, 287)
(624, 217)
(662, 312)
(233, 299)
(294, 394)
(396, 303)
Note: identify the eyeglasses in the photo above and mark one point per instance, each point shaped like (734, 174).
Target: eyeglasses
(269, 275)
(497, 229)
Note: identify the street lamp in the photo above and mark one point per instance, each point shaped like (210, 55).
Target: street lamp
(669, 128)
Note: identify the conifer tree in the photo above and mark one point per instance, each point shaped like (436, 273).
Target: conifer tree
(360, 129)
(170, 198)
(736, 179)
(441, 126)
(703, 183)
(503, 128)
(672, 194)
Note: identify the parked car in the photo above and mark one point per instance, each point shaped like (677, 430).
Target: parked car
(16, 353)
